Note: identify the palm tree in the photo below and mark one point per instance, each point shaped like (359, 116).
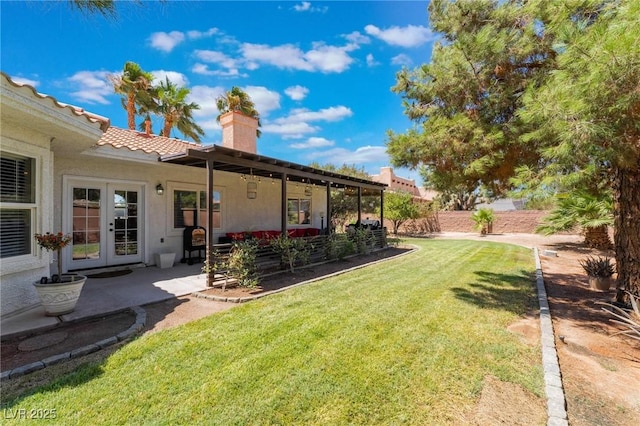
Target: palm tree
(237, 100)
(173, 107)
(135, 84)
(592, 213)
(106, 8)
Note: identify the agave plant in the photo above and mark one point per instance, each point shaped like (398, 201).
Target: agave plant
(629, 318)
(597, 267)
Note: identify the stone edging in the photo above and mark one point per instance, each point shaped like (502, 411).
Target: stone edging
(259, 296)
(556, 403)
(141, 319)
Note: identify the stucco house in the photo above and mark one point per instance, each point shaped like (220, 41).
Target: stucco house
(126, 196)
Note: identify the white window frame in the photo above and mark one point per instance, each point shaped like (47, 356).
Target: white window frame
(36, 258)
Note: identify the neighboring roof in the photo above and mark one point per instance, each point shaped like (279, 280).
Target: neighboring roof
(503, 205)
(80, 112)
(140, 141)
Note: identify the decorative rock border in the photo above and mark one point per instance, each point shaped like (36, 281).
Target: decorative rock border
(556, 402)
(134, 329)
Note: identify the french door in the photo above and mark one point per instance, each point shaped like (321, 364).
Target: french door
(106, 221)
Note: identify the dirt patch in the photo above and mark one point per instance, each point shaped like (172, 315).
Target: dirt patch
(600, 371)
(508, 404)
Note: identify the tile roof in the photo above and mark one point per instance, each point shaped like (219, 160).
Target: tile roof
(93, 118)
(140, 141)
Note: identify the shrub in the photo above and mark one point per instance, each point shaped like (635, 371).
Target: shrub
(364, 240)
(242, 263)
(291, 250)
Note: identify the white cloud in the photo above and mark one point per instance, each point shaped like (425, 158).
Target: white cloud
(305, 6)
(312, 143)
(93, 86)
(297, 93)
(215, 57)
(206, 96)
(357, 38)
(371, 61)
(166, 41)
(176, 78)
(23, 80)
(329, 58)
(362, 155)
(296, 124)
(326, 114)
(194, 34)
(203, 69)
(264, 99)
(409, 36)
(287, 130)
(285, 56)
(321, 57)
(402, 59)
(210, 125)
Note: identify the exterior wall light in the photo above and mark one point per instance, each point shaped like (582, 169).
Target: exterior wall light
(159, 189)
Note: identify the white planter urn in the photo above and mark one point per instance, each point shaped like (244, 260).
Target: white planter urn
(60, 298)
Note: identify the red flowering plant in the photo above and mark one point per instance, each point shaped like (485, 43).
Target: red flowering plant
(54, 242)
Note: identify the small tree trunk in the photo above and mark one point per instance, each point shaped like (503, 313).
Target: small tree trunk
(598, 237)
(131, 111)
(627, 231)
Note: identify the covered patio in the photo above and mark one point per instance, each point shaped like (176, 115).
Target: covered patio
(256, 167)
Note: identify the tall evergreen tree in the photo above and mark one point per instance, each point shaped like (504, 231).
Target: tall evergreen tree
(589, 112)
(543, 86)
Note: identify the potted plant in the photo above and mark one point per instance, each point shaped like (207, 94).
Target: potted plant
(58, 293)
(600, 271)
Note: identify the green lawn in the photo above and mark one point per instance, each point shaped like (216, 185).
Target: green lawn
(406, 341)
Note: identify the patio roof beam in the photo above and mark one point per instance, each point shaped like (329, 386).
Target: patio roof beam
(259, 164)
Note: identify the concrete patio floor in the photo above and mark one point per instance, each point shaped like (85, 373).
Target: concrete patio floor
(102, 296)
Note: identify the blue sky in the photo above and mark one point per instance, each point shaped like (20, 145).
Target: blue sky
(319, 73)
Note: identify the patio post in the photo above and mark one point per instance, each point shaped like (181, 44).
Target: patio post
(283, 205)
(360, 205)
(382, 208)
(210, 261)
(328, 214)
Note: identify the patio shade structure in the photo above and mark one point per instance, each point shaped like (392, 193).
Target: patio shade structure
(225, 159)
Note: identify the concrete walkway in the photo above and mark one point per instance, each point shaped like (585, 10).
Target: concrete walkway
(103, 296)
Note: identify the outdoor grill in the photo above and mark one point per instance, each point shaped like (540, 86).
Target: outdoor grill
(194, 239)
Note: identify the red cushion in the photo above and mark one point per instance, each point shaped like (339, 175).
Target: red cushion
(238, 236)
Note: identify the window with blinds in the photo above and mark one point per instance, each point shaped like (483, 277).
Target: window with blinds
(17, 204)
(190, 209)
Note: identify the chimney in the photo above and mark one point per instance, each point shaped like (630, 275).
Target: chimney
(239, 132)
